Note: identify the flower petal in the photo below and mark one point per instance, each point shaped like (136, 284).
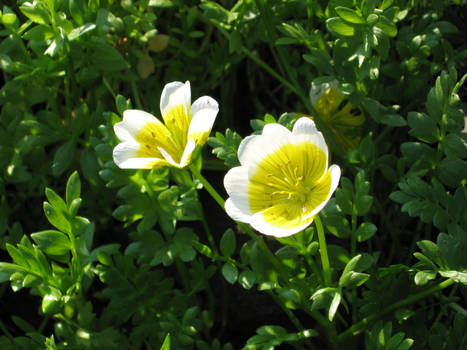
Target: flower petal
(125, 157)
(133, 122)
(235, 212)
(334, 172)
(255, 148)
(175, 106)
(305, 129)
(259, 223)
(204, 111)
(186, 156)
(236, 184)
(175, 94)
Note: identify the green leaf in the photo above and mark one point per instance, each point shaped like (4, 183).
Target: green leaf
(432, 251)
(455, 146)
(457, 276)
(363, 204)
(393, 120)
(107, 58)
(56, 218)
(336, 300)
(352, 276)
(230, 272)
(339, 26)
(225, 147)
(247, 279)
(423, 127)
(203, 249)
(365, 231)
(35, 12)
(40, 33)
(166, 344)
(77, 9)
(423, 277)
(122, 104)
(228, 243)
(56, 201)
(52, 242)
(77, 32)
(7, 269)
(51, 303)
(387, 26)
(73, 188)
(349, 15)
(63, 158)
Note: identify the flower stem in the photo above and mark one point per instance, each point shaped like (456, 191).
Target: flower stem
(323, 251)
(368, 321)
(208, 187)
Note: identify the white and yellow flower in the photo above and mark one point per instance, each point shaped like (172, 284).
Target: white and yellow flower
(283, 181)
(343, 120)
(148, 143)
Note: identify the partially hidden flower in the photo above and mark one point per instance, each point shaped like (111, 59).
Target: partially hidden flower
(148, 143)
(283, 181)
(337, 113)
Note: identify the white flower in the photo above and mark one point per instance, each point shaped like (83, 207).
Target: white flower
(283, 181)
(148, 143)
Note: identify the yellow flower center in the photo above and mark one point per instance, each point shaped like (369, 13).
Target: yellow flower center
(289, 184)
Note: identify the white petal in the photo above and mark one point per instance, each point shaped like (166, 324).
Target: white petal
(189, 148)
(255, 148)
(305, 130)
(204, 102)
(167, 156)
(258, 223)
(124, 155)
(335, 177)
(236, 184)
(236, 213)
(204, 111)
(133, 121)
(175, 94)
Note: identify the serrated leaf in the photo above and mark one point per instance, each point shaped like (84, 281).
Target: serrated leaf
(225, 147)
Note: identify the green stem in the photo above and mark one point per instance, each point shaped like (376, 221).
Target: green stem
(209, 235)
(134, 89)
(368, 321)
(323, 251)
(267, 68)
(208, 187)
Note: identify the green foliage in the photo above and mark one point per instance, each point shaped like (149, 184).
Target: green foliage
(143, 259)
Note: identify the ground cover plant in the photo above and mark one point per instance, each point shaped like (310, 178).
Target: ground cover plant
(251, 174)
